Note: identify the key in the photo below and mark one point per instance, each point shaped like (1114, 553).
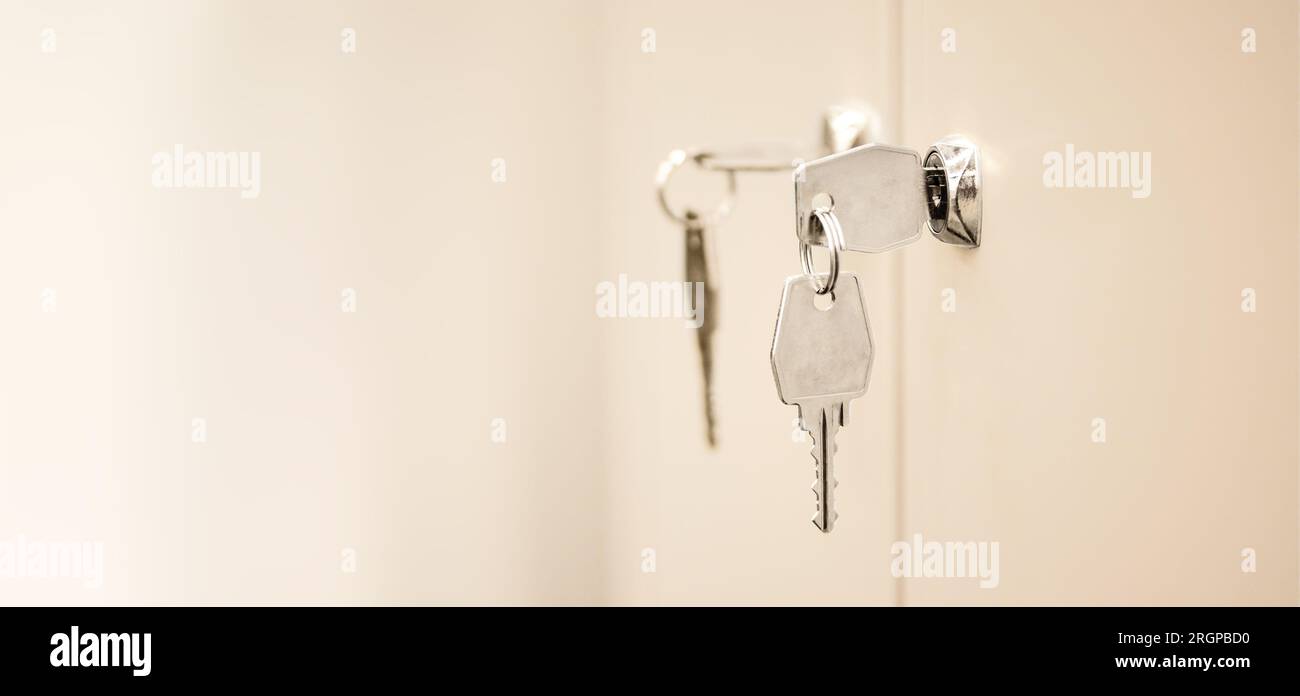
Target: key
(697, 271)
(877, 192)
(821, 360)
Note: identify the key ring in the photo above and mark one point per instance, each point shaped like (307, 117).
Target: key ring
(834, 242)
(675, 160)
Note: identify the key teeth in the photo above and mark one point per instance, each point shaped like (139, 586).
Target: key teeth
(835, 483)
(816, 520)
(816, 488)
(817, 462)
(815, 451)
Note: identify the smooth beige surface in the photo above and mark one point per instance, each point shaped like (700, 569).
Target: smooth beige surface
(326, 430)
(1088, 303)
(371, 431)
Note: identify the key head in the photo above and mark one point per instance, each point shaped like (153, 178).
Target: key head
(877, 194)
(821, 356)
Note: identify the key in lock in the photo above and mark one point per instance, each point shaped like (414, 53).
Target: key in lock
(876, 191)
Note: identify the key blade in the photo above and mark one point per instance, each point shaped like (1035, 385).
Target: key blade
(826, 425)
(878, 195)
(697, 271)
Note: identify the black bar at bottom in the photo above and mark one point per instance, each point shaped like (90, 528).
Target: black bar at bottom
(639, 647)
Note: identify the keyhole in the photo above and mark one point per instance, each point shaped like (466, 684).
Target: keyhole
(823, 200)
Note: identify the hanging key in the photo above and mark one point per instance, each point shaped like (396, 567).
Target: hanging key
(697, 230)
(697, 271)
(878, 193)
(871, 198)
(822, 360)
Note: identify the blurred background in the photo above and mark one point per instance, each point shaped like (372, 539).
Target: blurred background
(383, 380)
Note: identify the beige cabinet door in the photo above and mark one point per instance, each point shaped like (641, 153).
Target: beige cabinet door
(1107, 388)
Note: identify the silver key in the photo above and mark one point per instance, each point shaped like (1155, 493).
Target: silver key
(878, 193)
(821, 360)
(697, 271)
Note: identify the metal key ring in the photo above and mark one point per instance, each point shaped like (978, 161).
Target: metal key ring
(675, 160)
(834, 242)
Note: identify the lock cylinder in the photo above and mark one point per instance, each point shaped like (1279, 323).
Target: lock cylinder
(952, 191)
